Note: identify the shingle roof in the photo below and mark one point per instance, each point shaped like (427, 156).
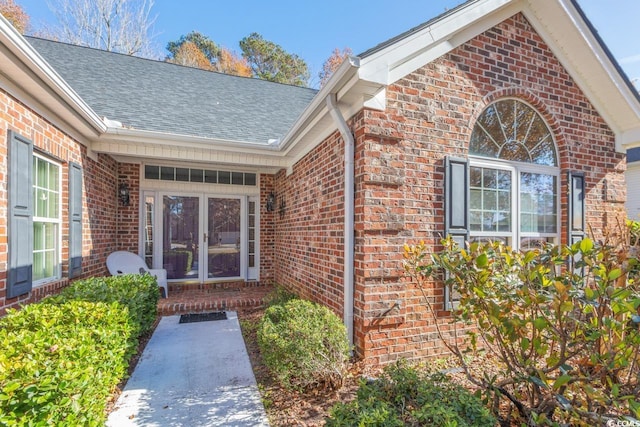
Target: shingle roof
(157, 96)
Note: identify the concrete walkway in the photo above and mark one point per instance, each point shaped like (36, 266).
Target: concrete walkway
(192, 374)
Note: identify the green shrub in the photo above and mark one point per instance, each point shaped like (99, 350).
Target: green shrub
(60, 362)
(304, 345)
(404, 396)
(562, 322)
(279, 296)
(139, 293)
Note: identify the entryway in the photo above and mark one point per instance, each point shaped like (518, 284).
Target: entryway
(202, 237)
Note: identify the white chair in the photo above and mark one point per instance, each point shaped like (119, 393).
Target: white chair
(123, 262)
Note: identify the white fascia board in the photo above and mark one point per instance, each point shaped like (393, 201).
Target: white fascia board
(40, 80)
(188, 141)
(157, 145)
(416, 50)
(339, 81)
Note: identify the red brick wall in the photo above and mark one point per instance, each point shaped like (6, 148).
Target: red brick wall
(99, 184)
(309, 231)
(267, 231)
(400, 180)
(129, 216)
(430, 113)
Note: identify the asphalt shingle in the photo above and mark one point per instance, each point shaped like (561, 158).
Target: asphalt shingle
(158, 96)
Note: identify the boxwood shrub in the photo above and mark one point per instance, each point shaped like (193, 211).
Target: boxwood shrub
(60, 362)
(304, 345)
(405, 396)
(139, 293)
(62, 358)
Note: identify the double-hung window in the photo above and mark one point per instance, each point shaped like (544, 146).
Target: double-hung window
(35, 218)
(46, 219)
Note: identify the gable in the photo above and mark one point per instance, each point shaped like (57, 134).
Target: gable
(559, 23)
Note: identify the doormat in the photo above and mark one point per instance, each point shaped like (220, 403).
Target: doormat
(203, 317)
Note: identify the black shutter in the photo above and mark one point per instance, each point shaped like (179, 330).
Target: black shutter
(75, 220)
(456, 209)
(20, 231)
(577, 227)
(577, 223)
(456, 199)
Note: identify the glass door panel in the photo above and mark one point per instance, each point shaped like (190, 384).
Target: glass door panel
(149, 206)
(181, 216)
(223, 230)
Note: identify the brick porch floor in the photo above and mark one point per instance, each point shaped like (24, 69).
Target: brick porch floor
(184, 299)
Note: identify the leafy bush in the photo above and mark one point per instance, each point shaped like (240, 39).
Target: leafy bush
(139, 293)
(404, 396)
(279, 296)
(60, 362)
(564, 322)
(63, 357)
(304, 345)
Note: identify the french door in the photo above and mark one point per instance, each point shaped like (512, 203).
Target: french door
(203, 237)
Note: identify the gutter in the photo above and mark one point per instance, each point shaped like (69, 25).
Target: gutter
(336, 82)
(349, 198)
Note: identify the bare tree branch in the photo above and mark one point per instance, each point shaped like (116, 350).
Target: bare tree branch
(123, 26)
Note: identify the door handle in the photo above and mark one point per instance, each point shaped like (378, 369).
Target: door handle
(204, 237)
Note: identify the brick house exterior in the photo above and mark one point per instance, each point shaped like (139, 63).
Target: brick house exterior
(406, 107)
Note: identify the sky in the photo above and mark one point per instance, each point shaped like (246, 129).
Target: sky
(313, 29)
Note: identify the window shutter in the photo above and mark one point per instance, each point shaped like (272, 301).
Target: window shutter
(456, 208)
(20, 232)
(577, 224)
(75, 220)
(577, 227)
(456, 199)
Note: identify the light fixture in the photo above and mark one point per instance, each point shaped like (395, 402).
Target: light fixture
(271, 202)
(123, 194)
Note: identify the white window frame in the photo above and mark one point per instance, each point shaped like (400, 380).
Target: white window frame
(57, 223)
(516, 169)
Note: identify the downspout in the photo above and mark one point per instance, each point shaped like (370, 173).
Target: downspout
(349, 197)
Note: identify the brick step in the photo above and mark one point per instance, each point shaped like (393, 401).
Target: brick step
(199, 299)
(213, 286)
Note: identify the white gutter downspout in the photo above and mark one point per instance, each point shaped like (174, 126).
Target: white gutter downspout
(349, 197)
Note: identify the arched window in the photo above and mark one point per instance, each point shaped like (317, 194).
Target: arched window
(513, 177)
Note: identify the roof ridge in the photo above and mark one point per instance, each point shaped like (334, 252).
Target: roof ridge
(159, 61)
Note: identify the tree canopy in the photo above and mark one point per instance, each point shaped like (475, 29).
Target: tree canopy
(207, 47)
(199, 51)
(15, 14)
(332, 63)
(269, 61)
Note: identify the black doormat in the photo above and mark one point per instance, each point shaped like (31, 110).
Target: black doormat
(203, 317)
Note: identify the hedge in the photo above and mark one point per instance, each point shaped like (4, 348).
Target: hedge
(62, 358)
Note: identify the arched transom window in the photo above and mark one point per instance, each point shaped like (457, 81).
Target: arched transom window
(513, 177)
